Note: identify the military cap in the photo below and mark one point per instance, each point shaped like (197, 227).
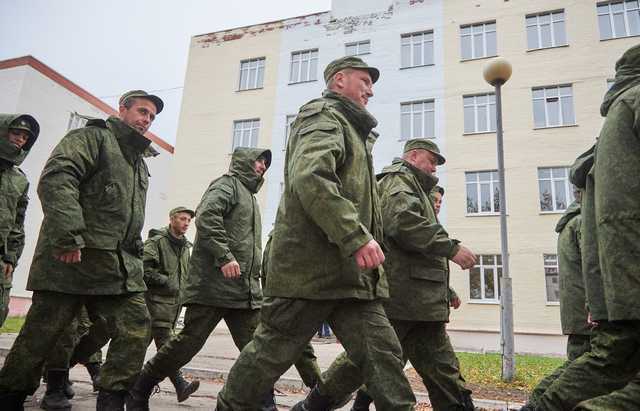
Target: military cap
(266, 155)
(424, 144)
(438, 189)
(27, 123)
(182, 210)
(157, 101)
(349, 62)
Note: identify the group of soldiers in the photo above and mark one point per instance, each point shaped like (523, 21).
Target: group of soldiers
(365, 253)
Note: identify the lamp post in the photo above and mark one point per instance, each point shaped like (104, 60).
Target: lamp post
(497, 72)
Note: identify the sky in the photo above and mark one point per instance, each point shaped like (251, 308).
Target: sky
(109, 47)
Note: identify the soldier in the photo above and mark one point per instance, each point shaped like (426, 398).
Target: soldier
(611, 246)
(166, 260)
(573, 311)
(418, 250)
(18, 133)
(89, 253)
(325, 254)
(224, 272)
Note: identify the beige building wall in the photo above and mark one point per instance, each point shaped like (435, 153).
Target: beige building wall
(211, 103)
(585, 63)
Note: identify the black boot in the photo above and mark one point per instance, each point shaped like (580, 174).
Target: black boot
(138, 398)
(319, 402)
(94, 372)
(55, 397)
(362, 401)
(468, 402)
(183, 387)
(12, 401)
(268, 403)
(110, 400)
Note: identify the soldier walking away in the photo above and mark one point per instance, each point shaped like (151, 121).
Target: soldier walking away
(325, 257)
(224, 271)
(89, 253)
(18, 133)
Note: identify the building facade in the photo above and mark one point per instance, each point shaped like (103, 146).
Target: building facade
(244, 86)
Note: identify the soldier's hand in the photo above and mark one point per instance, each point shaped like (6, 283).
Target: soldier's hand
(369, 256)
(231, 270)
(8, 269)
(465, 258)
(70, 257)
(455, 302)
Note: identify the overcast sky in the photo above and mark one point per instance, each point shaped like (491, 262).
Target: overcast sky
(108, 47)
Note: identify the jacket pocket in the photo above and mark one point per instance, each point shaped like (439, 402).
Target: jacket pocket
(430, 274)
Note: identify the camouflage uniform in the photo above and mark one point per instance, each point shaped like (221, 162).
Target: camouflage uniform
(13, 201)
(60, 356)
(328, 211)
(611, 247)
(93, 192)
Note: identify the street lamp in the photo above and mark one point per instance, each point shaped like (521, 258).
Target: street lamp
(497, 72)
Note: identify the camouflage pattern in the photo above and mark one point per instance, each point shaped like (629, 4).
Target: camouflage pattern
(228, 229)
(5, 298)
(126, 321)
(199, 322)
(627, 398)
(287, 325)
(93, 191)
(60, 355)
(329, 208)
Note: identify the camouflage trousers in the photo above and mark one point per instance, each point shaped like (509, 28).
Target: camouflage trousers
(576, 346)
(199, 322)
(60, 356)
(286, 327)
(4, 303)
(126, 325)
(424, 343)
(614, 360)
(627, 398)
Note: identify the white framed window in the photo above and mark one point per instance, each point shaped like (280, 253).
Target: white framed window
(358, 48)
(484, 279)
(304, 66)
(251, 74)
(417, 49)
(483, 192)
(554, 188)
(553, 106)
(546, 30)
(77, 121)
(618, 19)
(287, 129)
(610, 82)
(245, 133)
(479, 113)
(417, 120)
(478, 40)
(551, 277)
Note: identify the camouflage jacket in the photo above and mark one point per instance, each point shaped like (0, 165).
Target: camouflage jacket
(329, 208)
(93, 191)
(165, 260)
(228, 229)
(418, 247)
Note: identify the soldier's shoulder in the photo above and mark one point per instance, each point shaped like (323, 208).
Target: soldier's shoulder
(225, 183)
(315, 109)
(95, 129)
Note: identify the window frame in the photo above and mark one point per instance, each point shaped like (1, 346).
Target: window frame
(538, 26)
(411, 44)
(260, 64)
(497, 275)
(288, 120)
(485, 44)
(547, 100)
(490, 96)
(611, 14)
(242, 129)
(555, 266)
(494, 184)
(312, 58)
(358, 45)
(424, 113)
(567, 185)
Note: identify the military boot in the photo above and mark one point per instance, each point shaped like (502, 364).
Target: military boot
(316, 401)
(183, 387)
(138, 397)
(268, 403)
(12, 401)
(55, 398)
(362, 401)
(110, 400)
(93, 368)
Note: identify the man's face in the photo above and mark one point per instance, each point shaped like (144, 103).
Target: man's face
(437, 202)
(424, 160)
(140, 115)
(18, 137)
(260, 166)
(180, 222)
(356, 85)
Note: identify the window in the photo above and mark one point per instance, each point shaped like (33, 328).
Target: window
(483, 192)
(417, 120)
(287, 129)
(251, 74)
(618, 19)
(551, 277)
(610, 82)
(484, 278)
(417, 49)
(478, 40)
(553, 106)
(304, 66)
(546, 30)
(77, 121)
(555, 190)
(245, 133)
(479, 113)
(358, 48)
